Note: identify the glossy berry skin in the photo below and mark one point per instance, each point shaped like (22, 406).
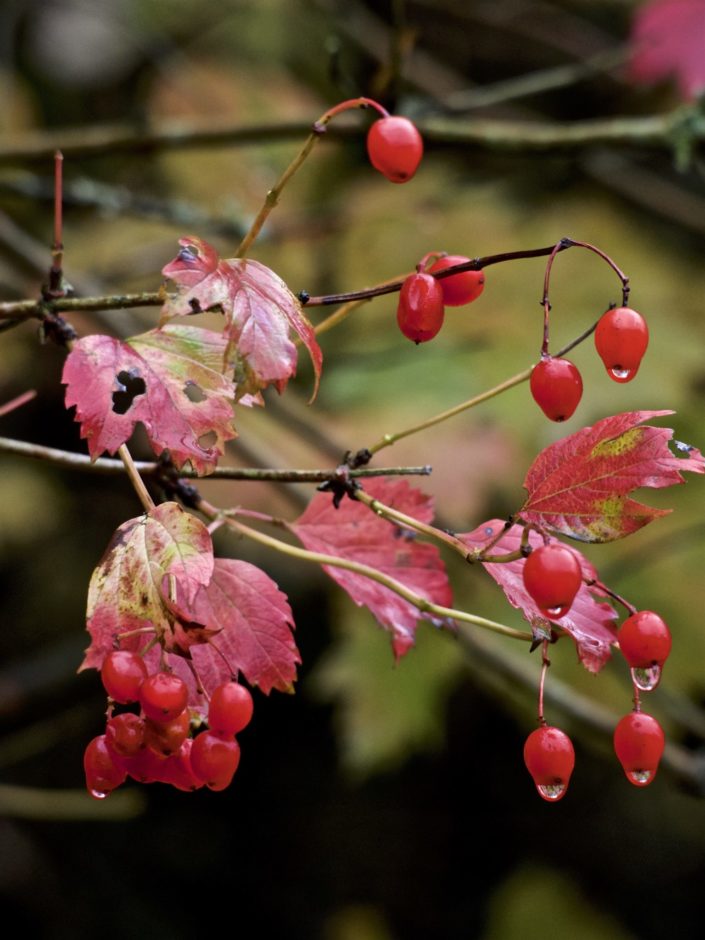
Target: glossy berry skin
(124, 734)
(395, 148)
(230, 709)
(104, 771)
(638, 743)
(550, 759)
(214, 760)
(420, 310)
(163, 696)
(166, 737)
(459, 289)
(557, 387)
(621, 339)
(645, 640)
(123, 673)
(552, 576)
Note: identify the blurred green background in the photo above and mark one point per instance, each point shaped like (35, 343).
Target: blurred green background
(379, 802)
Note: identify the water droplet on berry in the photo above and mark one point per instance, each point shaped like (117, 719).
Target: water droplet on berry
(646, 678)
(622, 375)
(555, 613)
(98, 794)
(640, 778)
(551, 791)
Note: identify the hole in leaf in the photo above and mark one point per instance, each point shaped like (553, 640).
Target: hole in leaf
(188, 254)
(131, 385)
(194, 392)
(206, 441)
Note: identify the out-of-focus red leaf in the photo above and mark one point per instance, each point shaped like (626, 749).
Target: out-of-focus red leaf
(579, 485)
(590, 621)
(260, 313)
(668, 39)
(354, 532)
(145, 556)
(170, 379)
(250, 623)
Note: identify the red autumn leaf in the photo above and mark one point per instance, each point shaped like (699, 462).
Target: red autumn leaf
(260, 313)
(250, 625)
(170, 379)
(591, 622)
(579, 485)
(145, 557)
(668, 39)
(354, 532)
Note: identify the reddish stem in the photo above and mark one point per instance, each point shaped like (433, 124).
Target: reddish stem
(56, 287)
(545, 663)
(347, 106)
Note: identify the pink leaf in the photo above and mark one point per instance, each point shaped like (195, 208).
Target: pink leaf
(251, 624)
(579, 485)
(144, 557)
(170, 379)
(260, 313)
(668, 39)
(355, 533)
(589, 621)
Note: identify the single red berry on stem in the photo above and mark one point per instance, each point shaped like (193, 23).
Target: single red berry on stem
(552, 576)
(550, 759)
(395, 148)
(458, 289)
(638, 743)
(645, 642)
(123, 673)
(163, 696)
(420, 309)
(557, 387)
(621, 338)
(230, 709)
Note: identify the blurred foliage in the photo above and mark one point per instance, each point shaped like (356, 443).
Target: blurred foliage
(450, 841)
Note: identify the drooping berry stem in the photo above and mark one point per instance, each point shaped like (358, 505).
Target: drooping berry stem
(348, 106)
(545, 663)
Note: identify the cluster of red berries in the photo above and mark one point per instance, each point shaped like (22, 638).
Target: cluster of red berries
(423, 298)
(552, 577)
(621, 338)
(157, 745)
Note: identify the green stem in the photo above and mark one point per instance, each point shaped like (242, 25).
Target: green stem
(319, 558)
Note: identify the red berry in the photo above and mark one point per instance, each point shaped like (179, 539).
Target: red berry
(124, 734)
(123, 673)
(557, 387)
(645, 642)
(420, 311)
(163, 696)
(550, 759)
(552, 576)
(621, 339)
(104, 771)
(214, 760)
(166, 737)
(395, 148)
(177, 769)
(230, 709)
(638, 742)
(458, 289)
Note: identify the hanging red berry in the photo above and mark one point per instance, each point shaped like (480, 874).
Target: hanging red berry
(621, 338)
(557, 387)
(552, 576)
(638, 743)
(123, 673)
(395, 148)
(420, 311)
(458, 289)
(645, 642)
(550, 759)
